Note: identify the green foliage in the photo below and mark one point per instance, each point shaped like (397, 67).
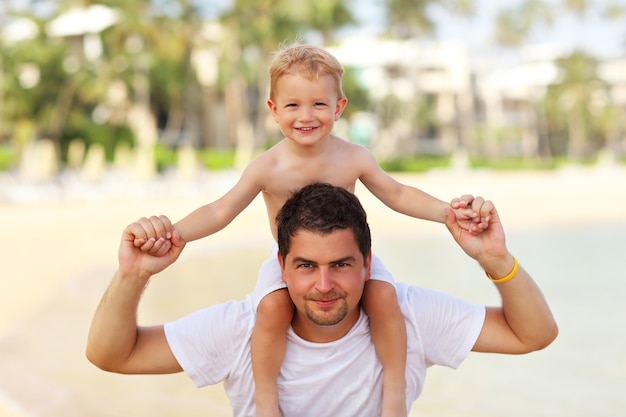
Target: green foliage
(421, 163)
(578, 120)
(165, 157)
(216, 159)
(8, 158)
(515, 164)
(109, 136)
(514, 24)
(210, 159)
(147, 59)
(425, 163)
(408, 18)
(34, 100)
(358, 98)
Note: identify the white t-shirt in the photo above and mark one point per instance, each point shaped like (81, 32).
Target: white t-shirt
(341, 378)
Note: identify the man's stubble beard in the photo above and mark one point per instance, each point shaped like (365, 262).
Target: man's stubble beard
(327, 318)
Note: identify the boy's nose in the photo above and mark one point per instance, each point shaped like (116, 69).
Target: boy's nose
(306, 113)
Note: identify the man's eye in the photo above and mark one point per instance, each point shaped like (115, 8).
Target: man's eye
(341, 265)
(305, 266)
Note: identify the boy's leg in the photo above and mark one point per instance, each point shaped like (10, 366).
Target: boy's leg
(268, 344)
(388, 331)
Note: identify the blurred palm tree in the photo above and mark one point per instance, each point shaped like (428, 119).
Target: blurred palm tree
(150, 52)
(142, 62)
(577, 113)
(580, 117)
(146, 63)
(146, 60)
(410, 18)
(514, 25)
(32, 73)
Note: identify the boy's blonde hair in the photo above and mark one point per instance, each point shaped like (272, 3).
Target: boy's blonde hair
(308, 61)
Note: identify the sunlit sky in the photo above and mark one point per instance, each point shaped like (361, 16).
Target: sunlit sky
(600, 37)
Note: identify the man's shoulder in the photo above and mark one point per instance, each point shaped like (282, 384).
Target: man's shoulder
(407, 293)
(221, 323)
(414, 298)
(427, 307)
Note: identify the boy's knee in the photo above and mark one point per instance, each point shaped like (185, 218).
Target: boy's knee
(380, 298)
(276, 302)
(378, 288)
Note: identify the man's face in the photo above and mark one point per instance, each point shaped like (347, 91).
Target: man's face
(325, 275)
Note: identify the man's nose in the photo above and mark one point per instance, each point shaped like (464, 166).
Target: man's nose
(325, 281)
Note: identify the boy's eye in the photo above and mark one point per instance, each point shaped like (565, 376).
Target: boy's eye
(291, 105)
(319, 103)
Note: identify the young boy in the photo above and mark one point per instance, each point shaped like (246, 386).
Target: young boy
(306, 99)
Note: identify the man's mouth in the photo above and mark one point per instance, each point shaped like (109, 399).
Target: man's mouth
(325, 302)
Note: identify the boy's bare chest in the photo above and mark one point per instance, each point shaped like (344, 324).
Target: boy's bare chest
(296, 176)
(285, 180)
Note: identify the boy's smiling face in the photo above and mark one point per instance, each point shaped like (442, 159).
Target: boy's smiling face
(306, 110)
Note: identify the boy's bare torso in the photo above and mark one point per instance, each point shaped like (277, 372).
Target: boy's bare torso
(287, 167)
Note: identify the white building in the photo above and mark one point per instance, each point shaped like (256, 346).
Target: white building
(416, 72)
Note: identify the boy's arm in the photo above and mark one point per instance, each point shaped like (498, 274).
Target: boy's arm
(404, 198)
(214, 216)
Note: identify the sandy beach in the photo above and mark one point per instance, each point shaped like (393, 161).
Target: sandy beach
(59, 251)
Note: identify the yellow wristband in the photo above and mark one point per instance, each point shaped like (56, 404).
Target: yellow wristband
(509, 276)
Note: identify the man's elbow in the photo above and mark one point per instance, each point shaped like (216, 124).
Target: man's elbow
(102, 361)
(97, 361)
(545, 339)
(551, 336)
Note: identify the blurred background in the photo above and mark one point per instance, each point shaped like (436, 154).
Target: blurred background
(115, 109)
(159, 84)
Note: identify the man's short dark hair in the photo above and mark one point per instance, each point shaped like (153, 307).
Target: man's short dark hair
(323, 208)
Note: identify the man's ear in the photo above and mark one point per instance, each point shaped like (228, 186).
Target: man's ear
(368, 266)
(281, 264)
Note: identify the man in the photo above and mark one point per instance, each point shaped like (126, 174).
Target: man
(330, 367)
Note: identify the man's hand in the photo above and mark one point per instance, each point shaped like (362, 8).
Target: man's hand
(470, 213)
(143, 254)
(486, 246)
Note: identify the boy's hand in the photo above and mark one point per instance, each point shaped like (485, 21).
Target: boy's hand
(137, 262)
(471, 213)
(483, 246)
(154, 235)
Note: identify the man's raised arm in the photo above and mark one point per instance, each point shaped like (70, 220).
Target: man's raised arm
(115, 342)
(524, 322)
